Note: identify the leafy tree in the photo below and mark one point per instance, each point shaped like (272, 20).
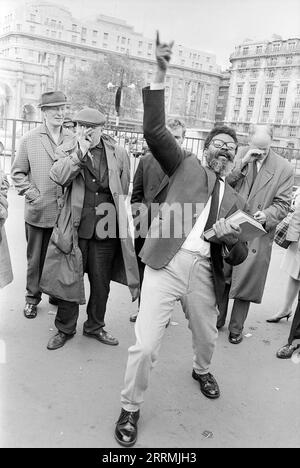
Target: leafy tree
(88, 87)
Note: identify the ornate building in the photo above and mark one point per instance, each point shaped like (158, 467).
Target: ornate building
(265, 88)
(40, 45)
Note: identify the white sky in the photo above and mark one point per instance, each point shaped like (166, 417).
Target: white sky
(215, 26)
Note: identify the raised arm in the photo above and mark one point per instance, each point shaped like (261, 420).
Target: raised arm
(161, 142)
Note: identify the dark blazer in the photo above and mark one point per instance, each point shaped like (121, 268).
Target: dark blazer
(149, 180)
(150, 185)
(189, 183)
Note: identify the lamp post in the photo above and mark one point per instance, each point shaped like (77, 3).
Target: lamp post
(118, 96)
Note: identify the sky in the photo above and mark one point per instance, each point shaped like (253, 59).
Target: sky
(215, 26)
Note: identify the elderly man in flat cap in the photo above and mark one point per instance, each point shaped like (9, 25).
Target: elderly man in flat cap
(30, 175)
(95, 174)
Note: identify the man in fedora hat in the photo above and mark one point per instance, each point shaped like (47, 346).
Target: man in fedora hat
(95, 173)
(30, 175)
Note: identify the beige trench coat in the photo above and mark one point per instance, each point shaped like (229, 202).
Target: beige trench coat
(272, 194)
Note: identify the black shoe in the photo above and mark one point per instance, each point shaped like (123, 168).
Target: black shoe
(287, 351)
(58, 340)
(208, 385)
(235, 338)
(133, 317)
(53, 301)
(126, 428)
(30, 311)
(103, 336)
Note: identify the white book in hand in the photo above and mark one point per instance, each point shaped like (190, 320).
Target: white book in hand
(250, 227)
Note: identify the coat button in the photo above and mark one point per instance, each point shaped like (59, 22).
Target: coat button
(94, 180)
(253, 251)
(259, 207)
(97, 193)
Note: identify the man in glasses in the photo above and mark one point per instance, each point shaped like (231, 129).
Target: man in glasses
(95, 174)
(265, 180)
(180, 263)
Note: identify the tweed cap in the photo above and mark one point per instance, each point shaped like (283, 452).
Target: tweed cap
(53, 98)
(90, 116)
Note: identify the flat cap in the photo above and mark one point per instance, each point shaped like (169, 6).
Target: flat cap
(89, 116)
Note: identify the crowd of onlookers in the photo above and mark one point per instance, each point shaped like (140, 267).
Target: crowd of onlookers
(75, 180)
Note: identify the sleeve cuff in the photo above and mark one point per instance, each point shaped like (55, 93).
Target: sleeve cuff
(156, 86)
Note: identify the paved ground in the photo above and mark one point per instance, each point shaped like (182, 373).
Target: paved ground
(70, 397)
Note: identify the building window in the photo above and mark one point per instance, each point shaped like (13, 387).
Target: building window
(140, 44)
(259, 49)
(297, 104)
(74, 38)
(298, 88)
(29, 88)
(284, 88)
(270, 73)
(292, 45)
(149, 47)
(256, 62)
(269, 88)
(292, 131)
(245, 50)
(267, 102)
(281, 102)
(74, 27)
(295, 117)
(238, 102)
(53, 33)
(289, 60)
(32, 17)
(265, 116)
(276, 47)
(32, 29)
(236, 115)
(272, 61)
(251, 102)
(252, 88)
(53, 23)
(105, 37)
(94, 43)
(95, 33)
(83, 40)
(83, 31)
(248, 116)
(243, 64)
(240, 89)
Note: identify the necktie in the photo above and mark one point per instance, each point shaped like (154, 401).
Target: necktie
(254, 174)
(214, 206)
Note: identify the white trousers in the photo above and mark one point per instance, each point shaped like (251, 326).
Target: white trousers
(188, 278)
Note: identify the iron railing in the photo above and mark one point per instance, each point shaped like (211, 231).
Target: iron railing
(11, 131)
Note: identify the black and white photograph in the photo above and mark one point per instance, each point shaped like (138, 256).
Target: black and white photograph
(149, 227)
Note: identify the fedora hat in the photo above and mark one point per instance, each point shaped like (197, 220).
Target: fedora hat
(53, 98)
(90, 116)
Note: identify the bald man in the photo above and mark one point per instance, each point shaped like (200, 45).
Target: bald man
(265, 180)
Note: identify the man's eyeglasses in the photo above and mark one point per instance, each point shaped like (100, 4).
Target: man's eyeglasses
(220, 143)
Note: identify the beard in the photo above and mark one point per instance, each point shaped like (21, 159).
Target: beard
(221, 166)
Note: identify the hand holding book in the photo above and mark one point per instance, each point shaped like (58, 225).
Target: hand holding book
(250, 228)
(227, 231)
